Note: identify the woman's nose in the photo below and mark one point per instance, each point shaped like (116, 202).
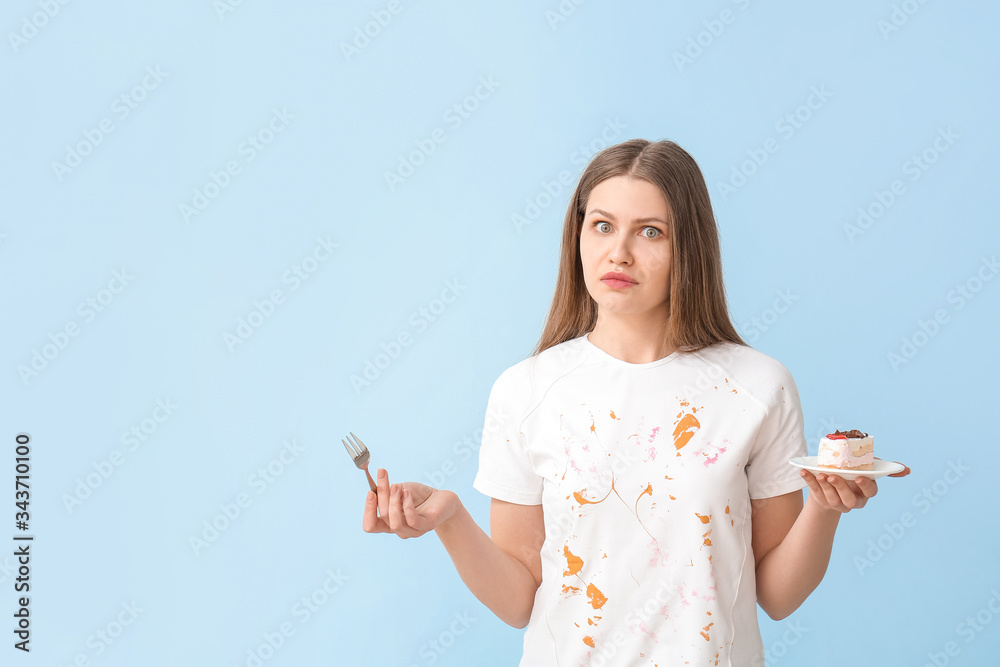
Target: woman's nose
(620, 251)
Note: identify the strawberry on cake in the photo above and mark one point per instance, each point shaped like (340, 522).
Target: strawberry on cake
(846, 450)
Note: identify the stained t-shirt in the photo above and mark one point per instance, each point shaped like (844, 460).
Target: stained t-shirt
(645, 474)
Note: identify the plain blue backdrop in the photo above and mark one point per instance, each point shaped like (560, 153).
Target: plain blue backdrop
(234, 231)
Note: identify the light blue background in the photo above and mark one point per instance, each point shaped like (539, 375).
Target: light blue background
(854, 299)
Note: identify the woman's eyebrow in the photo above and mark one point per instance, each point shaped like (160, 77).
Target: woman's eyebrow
(637, 220)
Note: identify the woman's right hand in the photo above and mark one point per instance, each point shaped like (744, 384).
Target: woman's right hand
(408, 509)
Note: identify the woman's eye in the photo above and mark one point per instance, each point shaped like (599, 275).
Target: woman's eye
(599, 224)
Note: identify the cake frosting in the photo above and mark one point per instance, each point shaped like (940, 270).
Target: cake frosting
(846, 450)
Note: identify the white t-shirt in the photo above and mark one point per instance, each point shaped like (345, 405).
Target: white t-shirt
(645, 474)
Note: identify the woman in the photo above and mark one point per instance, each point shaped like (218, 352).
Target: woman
(642, 499)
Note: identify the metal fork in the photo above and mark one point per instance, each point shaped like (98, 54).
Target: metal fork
(360, 454)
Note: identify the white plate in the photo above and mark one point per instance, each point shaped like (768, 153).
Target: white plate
(881, 468)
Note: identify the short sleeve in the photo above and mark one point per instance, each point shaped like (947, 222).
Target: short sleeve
(505, 470)
(781, 437)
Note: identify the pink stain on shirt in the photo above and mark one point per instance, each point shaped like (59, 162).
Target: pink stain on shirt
(645, 630)
(713, 459)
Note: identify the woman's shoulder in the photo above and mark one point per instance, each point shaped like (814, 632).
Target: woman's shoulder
(550, 363)
(758, 371)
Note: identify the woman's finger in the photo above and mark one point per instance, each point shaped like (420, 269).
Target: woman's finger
(413, 520)
(370, 521)
(830, 492)
(383, 494)
(815, 489)
(848, 498)
(397, 524)
(868, 487)
(810, 480)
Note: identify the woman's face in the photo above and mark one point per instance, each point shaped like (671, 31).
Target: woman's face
(625, 232)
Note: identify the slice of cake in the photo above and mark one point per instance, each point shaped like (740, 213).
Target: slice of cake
(847, 450)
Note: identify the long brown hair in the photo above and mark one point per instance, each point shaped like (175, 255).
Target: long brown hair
(698, 314)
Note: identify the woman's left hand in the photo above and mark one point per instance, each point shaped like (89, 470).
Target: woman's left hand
(832, 492)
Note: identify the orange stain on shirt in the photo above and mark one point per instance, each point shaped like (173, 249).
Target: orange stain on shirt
(704, 631)
(649, 490)
(597, 598)
(583, 501)
(589, 641)
(574, 562)
(613, 415)
(686, 427)
(707, 541)
(704, 519)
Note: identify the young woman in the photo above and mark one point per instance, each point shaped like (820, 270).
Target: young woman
(642, 500)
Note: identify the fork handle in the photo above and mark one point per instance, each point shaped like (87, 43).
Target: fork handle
(371, 482)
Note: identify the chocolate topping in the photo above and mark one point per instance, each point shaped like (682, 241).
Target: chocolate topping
(853, 433)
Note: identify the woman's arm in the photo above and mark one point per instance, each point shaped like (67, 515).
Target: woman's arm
(792, 546)
(503, 572)
(792, 543)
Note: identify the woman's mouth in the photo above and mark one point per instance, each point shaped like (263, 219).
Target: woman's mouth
(618, 280)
